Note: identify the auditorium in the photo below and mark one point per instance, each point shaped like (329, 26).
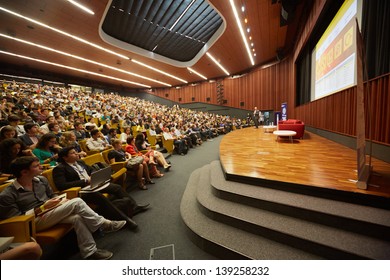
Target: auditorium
(195, 130)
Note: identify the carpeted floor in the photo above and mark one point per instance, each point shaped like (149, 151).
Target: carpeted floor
(162, 232)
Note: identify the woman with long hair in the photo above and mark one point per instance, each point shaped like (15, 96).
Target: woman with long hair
(47, 149)
(10, 149)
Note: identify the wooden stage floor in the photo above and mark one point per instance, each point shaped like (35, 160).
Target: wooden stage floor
(313, 161)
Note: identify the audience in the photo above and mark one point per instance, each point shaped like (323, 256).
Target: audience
(32, 192)
(40, 120)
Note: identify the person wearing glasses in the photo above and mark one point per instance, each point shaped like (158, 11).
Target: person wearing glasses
(47, 149)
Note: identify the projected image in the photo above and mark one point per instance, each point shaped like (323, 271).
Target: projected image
(334, 57)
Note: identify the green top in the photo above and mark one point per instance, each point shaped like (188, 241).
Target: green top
(44, 155)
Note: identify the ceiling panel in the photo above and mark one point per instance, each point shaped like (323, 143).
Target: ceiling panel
(263, 19)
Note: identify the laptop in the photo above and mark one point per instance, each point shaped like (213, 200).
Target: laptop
(100, 179)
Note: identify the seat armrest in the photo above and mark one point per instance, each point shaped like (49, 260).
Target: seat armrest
(72, 192)
(116, 166)
(118, 174)
(21, 227)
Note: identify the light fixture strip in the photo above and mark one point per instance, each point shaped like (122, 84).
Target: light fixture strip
(193, 71)
(83, 59)
(73, 68)
(217, 63)
(63, 33)
(52, 82)
(159, 71)
(182, 14)
(241, 31)
(20, 77)
(82, 7)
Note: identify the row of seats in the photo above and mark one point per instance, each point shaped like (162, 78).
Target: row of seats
(23, 227)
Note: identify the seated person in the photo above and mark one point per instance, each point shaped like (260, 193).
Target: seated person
(112, 132)
(7, 131)
(179, 144)
(9, 150)
(141, 144)
(31, 137)
(14, 121)
(73, 172)
(133, 151)
(67, 139)
(97, 142)
(126, 133)
(79, 131)
(118, 154)
(32, 192)
(47, 149)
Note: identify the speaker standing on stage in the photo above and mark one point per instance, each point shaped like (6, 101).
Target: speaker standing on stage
(256, 115)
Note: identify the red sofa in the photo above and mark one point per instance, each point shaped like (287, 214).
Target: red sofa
(294, 125)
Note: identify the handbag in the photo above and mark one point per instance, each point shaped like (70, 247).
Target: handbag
(134, 162)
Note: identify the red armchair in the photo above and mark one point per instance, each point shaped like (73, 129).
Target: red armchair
(294, 125)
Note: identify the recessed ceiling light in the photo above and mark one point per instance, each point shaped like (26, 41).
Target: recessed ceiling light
(217, 63)
(82, 7)
(73, 68)
(200, 75)
(83, 59)
(62, 32)
(242, 32)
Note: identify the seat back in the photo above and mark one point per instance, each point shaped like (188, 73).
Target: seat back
(94, 158)
(3, 186)
(151, 138)
(105, 155)
(84, 147)
(49, 176)
(119, 171)
(168, 145)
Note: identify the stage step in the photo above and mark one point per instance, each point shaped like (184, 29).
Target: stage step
(228, 242)
(278, 219)
(371, 221)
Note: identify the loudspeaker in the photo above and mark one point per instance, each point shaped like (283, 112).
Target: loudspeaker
(242, 103)
(193, 98)
(179, 99)
(208, 99)
(287, 11)
(279, 54)
(224, 101)
(166, 95)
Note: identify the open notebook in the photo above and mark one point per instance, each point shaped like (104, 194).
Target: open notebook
(100, 179)
(61, 197)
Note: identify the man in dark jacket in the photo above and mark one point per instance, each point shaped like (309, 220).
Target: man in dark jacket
(72, 172)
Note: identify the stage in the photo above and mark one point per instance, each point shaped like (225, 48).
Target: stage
(313, 164)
